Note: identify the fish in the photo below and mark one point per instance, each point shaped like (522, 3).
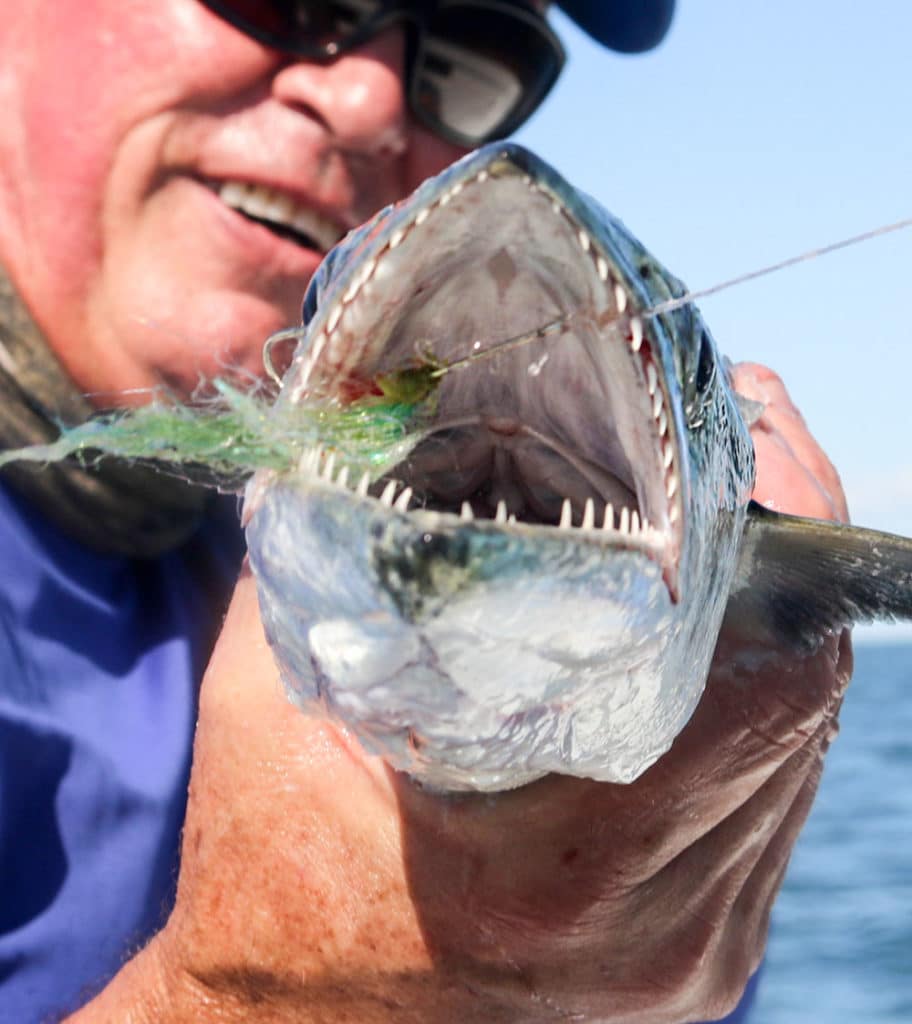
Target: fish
(539, 583)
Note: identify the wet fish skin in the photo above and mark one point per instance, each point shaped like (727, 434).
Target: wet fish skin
(480, 655)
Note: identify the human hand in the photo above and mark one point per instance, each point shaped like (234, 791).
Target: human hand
(318, 885)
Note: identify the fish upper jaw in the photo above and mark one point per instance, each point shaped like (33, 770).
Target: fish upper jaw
(588, 423)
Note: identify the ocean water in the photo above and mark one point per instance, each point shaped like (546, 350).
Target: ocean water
(841, 942)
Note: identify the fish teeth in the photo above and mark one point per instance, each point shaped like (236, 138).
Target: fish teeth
(672, 485)
(388, 493)
(652, 378)
(566, 516)
(402, 502)
(328, 467)
(657, 401)
(342, 478)
(363, 485)
(500, 516)
(624, 523)
(608, 523)
(636, 334)
(667, 454)
(465, 513)
(588, 514)
(634, 521)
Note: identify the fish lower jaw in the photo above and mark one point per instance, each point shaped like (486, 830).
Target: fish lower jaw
(621, 527)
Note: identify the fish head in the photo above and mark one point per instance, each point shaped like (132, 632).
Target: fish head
(536, 585)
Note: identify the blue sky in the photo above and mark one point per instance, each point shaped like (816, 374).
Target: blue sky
(759, 130)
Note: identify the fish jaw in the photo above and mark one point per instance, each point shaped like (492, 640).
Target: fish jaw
(468, 656)
(482, 654)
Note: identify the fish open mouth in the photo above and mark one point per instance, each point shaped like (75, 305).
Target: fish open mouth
(551, 410)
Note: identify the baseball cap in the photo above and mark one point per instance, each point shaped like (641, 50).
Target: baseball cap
(629, 26)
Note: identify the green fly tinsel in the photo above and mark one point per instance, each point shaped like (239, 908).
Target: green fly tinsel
(230, 436)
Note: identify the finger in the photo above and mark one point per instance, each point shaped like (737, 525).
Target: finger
(786, 431)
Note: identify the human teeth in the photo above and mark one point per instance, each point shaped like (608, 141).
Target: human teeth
(278, 207)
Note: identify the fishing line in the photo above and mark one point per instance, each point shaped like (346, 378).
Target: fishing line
(561, 323)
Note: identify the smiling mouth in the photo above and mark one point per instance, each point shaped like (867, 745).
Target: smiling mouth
(279, 213)
(571, 431)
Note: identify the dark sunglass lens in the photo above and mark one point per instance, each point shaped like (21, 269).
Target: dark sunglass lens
(320, 26)
(482, 70)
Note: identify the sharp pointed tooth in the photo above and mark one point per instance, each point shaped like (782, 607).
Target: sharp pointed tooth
(672, 485)
(396, 237)
(667, 455)
(328, 467)
(334, 318)
(608, 523)
(310, 460)
(673, 514)
(465, 513)
(651, 378)
(620, 298)
(511, 519)
(500, 516)
(342, 478)
(588, 514)
(584, 241)
(663, 423)
(624, 525)
(636, 334)
(402, 502)
(602, 267)
(422, 215)
(657, 403)
(389, 492)
(634, 521)
(363, 485)
(566, 517)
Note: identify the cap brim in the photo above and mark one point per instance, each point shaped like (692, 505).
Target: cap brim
(629, 27)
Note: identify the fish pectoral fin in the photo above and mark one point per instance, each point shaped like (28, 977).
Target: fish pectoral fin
(803, 578)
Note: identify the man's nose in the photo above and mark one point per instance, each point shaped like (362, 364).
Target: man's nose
(360, 98)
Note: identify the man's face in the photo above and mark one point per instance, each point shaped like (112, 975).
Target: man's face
(122, 123)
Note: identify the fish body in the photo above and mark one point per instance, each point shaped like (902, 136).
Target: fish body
(538, 585)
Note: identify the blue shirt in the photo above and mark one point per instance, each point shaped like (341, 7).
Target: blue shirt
(100, 660)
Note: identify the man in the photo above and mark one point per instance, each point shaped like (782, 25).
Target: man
(171, 172)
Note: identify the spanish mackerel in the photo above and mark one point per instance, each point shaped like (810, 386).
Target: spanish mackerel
(539, 584)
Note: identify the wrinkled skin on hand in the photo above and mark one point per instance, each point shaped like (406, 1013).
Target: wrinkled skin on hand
(317, 885)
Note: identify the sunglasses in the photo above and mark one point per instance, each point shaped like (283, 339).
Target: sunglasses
(475, 69)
